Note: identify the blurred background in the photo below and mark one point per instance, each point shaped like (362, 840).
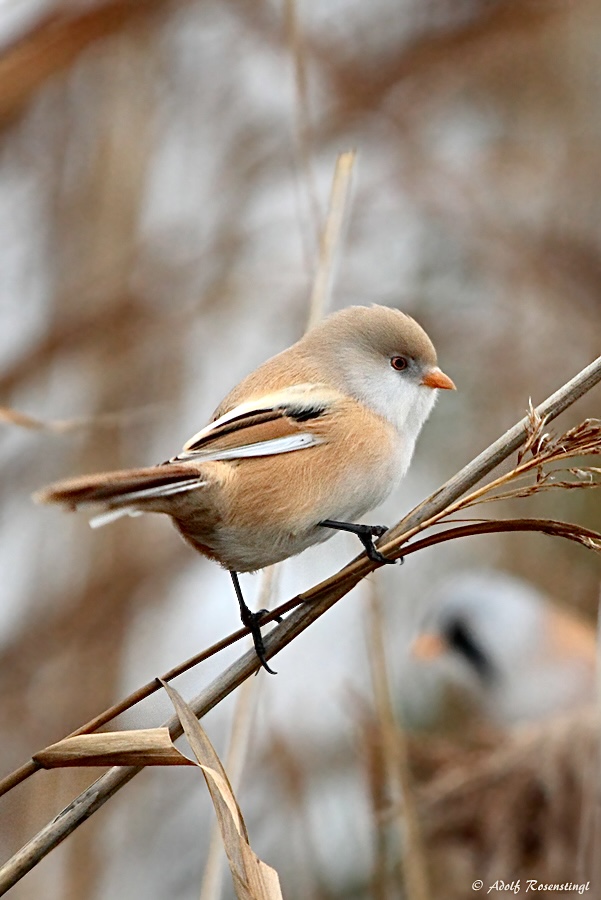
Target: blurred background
(165, 168)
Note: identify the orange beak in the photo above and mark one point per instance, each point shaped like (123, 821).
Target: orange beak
(437, 379)
(428, 646)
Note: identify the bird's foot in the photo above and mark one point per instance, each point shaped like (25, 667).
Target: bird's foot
(252, 621)
(366, 534)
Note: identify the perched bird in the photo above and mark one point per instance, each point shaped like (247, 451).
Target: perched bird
(502, 647)
(310, 441)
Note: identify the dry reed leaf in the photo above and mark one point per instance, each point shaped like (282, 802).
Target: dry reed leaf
(543, 449)
(253, 879)
(214, 871)
(144, 747)
(582, 440)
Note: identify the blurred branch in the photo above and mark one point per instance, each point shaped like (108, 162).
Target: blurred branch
(90, 326)
(55, 44)
(119, 419)
(330, 246)
(397, 812)
(314, 603)
(460, 47)
(303, 119)
(253, 879)
(359, 85)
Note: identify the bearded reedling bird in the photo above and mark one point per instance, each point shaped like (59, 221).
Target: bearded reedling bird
(310, 441)
(507, 650)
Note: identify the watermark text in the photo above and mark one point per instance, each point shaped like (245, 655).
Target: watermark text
(531, 885)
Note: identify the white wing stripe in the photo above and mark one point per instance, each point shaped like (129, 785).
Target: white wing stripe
(165, 490)
(147, 494)
(112, 516)
(261, 448)
(298, 395)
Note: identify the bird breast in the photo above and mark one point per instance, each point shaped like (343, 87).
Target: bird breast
(268, 508)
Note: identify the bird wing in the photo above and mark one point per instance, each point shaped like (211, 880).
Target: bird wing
(275, 423)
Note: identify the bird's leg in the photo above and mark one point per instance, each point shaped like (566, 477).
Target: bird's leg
(252, 621)
(366, 534)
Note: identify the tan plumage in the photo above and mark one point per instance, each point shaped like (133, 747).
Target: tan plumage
(321, 431)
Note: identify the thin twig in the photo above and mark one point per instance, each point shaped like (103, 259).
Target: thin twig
(584, 536)
(316, 602)
(331, 238)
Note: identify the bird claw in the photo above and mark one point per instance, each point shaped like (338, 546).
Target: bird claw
(375, 555)
(252, 621)
(366, 534)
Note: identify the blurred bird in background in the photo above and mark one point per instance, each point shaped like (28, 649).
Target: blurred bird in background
(498, 649)
(503, 783)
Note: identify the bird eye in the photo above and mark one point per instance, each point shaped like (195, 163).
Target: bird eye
(399, 363)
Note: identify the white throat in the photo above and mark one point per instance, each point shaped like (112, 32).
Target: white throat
(405, 404)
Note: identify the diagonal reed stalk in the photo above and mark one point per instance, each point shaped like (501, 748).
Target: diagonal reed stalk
(312, 605)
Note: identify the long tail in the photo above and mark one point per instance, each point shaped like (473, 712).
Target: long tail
(117, 494)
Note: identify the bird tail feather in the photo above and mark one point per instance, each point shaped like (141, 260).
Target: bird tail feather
(116, 494)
